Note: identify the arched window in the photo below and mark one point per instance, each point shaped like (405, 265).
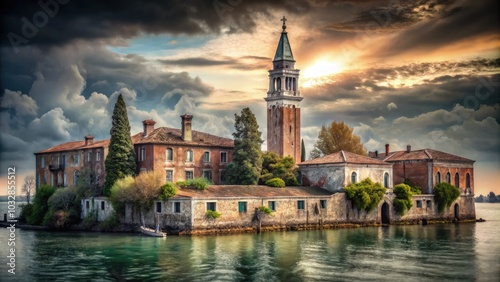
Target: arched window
(457, 180)
(467, 180)
(386, 180)
(170, 154)
(448, 178)
(438, 178)
(354, 177)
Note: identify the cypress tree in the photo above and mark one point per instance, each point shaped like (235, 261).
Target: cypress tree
(247, 159)
(120, 161)
(302, 151)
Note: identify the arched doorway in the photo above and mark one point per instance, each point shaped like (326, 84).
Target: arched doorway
(385, 212)
(457, 211)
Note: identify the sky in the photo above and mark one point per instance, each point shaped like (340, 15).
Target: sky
(422, 73)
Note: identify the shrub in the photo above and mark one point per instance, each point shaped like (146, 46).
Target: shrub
(90, 220)
(40, 206)
(445, 194)
(213, 214)
(197, 183)
(415, 190)
(403, 201)
(110, 223)
(266, 210)
(275, 182)
(167, 191)
(26, 211)
(365, 194)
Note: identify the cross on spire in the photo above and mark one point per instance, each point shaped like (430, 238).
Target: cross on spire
(284, 23)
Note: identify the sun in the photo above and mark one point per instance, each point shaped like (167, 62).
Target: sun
(322, 68)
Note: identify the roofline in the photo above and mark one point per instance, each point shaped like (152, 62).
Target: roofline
(182, 144)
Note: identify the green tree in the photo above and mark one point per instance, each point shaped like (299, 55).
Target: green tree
(336, 137)
(479, 199)
(121, 157)
(275, 167)
(302, 151)
(403, 200)
(366, 195)
(63, 208)
(87, 184)
(445, 194)
(40, 204)
(246, 165)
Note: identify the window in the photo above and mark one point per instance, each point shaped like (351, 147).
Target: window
(419, 204)
(223, 157)
(438, 178)
(103, 205)
(177, 207)
(467, 180)
(170, 154)
(98, 156)
(386, 180)
(428, 204)
(52, 179)
(272, 205)
(45, 177)
(65, 179)
(354, 176)
(170, 176)
(448, 178)
(206, 157)
(158, 207)
(42, 162)
(290, 129)
(87, 204)
(142, 156)
(322, 204)
(75, 177)
(189, 156)
(300, 204)
(76, 159)
(38, 180)
(207, 174)
(189, 174)
(211, 206)
(58, 161)
(89, 157)
(63, 159)
(457, 180)
(222, 176)
(242, 206)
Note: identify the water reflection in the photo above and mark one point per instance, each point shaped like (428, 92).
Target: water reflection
(433, 252)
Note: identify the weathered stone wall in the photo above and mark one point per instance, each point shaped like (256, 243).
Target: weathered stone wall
(334, 177)
(455, 169)
(101, 205)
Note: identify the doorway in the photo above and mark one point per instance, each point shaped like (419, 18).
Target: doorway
(457, 211)
(385, 214)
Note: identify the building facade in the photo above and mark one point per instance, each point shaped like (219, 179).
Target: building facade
(177, 154)
(335, 171)
(283, 102)
(427, 167)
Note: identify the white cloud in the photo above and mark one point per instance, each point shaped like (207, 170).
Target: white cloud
(392, 106)
(22, 103)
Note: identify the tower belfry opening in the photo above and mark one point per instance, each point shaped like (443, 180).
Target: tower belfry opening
(283, 101)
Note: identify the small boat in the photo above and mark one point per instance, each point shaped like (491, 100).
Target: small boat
(152, 232)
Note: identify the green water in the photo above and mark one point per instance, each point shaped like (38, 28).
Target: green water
(446, 252)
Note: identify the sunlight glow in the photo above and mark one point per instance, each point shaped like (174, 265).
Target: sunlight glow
(322, 68)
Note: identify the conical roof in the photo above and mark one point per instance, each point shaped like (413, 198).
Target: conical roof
(284, 51)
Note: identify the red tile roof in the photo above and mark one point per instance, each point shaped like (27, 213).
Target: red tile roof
(161, 135)
(173, 136)
(344, 157)
(424, 154)
(235, 191)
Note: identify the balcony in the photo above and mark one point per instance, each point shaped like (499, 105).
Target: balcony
(56, 167)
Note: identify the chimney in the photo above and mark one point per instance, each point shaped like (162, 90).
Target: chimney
(89, 139)
(149, 126)
(408, 148)
(186, 127)
(386, 150)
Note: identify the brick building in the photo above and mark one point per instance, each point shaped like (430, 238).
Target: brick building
(179, 154)
(427, 167)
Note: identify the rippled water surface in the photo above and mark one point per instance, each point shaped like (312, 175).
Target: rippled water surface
(446, 252)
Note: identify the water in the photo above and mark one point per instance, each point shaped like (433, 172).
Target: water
(446, 252)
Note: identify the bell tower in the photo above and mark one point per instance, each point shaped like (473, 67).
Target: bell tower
(283, 102)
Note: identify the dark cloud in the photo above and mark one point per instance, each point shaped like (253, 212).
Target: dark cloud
(108, 20)
(245, 62)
